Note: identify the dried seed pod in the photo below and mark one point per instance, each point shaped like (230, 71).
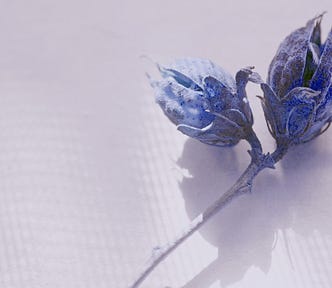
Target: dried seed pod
(297, 98)
(204, 101)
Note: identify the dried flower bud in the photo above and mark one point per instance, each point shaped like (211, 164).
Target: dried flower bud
(298, 95)
(204, 101)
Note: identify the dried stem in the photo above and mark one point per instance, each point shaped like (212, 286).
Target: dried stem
(242, 186)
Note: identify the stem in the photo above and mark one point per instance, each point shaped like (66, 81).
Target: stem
(281, 150)
(241, 187)
(256, 151)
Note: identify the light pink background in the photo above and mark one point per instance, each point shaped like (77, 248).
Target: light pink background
(93, 176)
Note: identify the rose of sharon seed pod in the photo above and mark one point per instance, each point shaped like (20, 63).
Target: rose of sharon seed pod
(297, 99)
(204, 101)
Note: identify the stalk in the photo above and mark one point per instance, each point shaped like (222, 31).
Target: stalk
(259, 161)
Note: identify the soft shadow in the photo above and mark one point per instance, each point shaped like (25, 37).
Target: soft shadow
(245, 231)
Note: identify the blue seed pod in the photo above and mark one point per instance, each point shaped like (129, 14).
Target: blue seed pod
(204, 101)
(298, 95)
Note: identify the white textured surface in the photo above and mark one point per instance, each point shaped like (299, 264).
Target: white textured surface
(92, 175)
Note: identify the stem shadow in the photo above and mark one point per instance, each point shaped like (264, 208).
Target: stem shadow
(245, 231)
